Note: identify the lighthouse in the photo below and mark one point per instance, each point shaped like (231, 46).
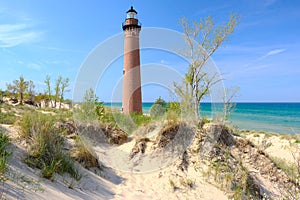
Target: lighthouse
(132, 94)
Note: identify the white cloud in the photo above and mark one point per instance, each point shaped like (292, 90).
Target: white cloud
(274, 52)
(15, 34)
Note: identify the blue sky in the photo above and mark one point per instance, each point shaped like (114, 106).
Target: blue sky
(39, 38)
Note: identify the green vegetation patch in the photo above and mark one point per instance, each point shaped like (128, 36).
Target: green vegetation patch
(7, 118)
(4, 154)
(46, 146)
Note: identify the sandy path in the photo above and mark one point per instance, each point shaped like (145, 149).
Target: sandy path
(156, 185)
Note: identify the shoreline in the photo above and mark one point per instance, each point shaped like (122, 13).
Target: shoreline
(284, 119)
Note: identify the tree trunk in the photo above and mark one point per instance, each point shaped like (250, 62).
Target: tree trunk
(21, 98)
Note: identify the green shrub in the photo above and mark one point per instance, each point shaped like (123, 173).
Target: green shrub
(124, 122)
(173, 111)
(174, 106)
(128, 123)
(100, 110)
(140, 119)
(205, 120)
(158, 109)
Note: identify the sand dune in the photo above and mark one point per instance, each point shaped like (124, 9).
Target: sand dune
(169, 182)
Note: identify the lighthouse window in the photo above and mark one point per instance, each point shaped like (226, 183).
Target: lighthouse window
(131, 15)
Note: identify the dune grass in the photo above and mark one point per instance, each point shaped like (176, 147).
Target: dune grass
(4, 154)
(7, 117)
(46, 144)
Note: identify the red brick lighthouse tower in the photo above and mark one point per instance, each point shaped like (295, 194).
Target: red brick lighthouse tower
(132, 95)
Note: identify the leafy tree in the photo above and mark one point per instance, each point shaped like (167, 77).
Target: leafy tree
(63, 89)
(18, 86)
(202, 38)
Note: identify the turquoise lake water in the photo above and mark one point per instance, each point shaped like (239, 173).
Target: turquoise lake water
(270, 117)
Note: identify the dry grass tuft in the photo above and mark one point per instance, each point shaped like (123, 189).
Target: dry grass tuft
(84, 154)
(168, 133)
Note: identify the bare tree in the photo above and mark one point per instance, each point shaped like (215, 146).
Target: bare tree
(229, 105)
(31, 91)
(57, 90)
(63, 89)
(48, 90)
(18, 86)
(202, 38)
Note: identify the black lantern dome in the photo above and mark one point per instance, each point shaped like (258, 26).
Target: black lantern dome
(131, 13)
(131, 20)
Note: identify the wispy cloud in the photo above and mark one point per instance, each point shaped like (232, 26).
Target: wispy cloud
(15, 34)
(60, 49)
(34, 66)
(270, 53)
(256, 65)
(274, 52)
